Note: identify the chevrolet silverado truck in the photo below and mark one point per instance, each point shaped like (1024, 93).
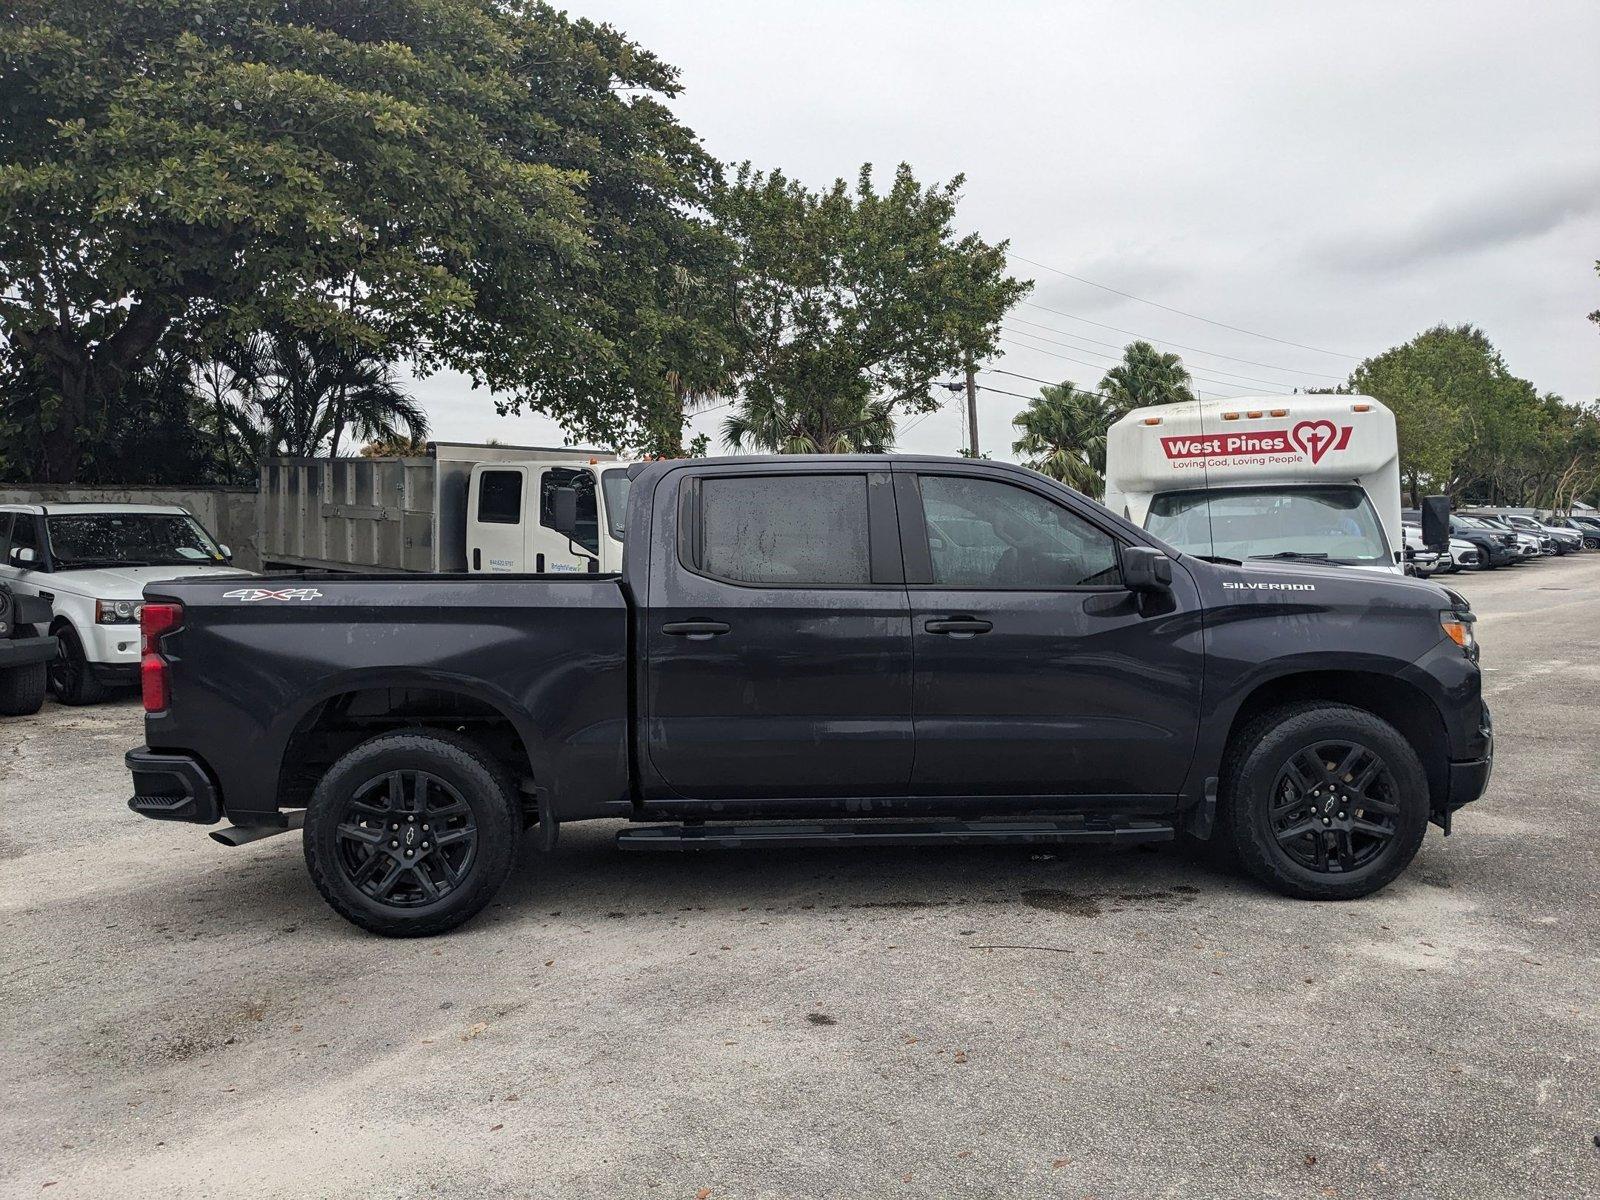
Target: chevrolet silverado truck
(817, 651)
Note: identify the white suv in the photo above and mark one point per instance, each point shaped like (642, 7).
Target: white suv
(91, 561)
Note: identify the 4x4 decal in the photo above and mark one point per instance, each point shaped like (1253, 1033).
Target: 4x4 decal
(250, 595)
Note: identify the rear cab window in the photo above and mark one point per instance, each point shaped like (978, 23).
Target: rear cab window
(500, 497)
(801, 530)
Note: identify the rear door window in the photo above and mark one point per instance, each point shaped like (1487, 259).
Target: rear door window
(500, 497)
(785, 530)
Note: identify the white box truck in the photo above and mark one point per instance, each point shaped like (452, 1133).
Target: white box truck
(1314, 477)
(460, 507)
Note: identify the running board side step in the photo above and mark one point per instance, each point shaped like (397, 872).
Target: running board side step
(747, 835)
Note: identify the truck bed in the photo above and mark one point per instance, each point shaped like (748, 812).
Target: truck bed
(276, 668)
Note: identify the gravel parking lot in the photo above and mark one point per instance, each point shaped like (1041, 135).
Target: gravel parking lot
(182, 1019)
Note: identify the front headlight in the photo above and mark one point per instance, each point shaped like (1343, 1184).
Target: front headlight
(1457, 627)
(117, 612)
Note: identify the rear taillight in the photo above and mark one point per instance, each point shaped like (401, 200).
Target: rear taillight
(154, 621)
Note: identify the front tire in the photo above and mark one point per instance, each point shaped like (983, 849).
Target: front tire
(412, 833)
(71, 677)
(1323, 801)
(22, 688)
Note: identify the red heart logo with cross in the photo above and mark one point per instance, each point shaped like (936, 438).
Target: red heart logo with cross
(1315, 438)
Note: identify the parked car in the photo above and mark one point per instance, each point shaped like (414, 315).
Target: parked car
(1419, 559)
(1587, 528)
(1561, 541)
(24, 655)
(1496, 547)
(1464, 556)
(1529, 545)
(815, 651)
(90, 561)
(1461, 555)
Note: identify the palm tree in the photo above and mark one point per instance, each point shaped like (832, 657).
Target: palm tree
(780, 425)
(1064, 436)
(305, 388)
(1147, 376)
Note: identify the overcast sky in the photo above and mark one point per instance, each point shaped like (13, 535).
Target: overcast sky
(1341, 176)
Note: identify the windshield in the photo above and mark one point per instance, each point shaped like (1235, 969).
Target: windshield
(615, 484)
(129, 540)
(1335, 523)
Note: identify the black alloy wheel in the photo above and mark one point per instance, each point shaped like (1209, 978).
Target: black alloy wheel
(410, 833)
(1335, 807)
(406, 838)
(70, 676)
(1321, 800)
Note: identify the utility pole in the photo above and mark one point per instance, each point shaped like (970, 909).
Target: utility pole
(972, 405)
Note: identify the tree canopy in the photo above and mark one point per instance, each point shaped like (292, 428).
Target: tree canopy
(850, 302)
(1146, 376)
(484, 185)
(1064, 436)
(1468, 427)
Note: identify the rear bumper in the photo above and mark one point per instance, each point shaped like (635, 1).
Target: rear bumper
(22, 652)
(172, 787)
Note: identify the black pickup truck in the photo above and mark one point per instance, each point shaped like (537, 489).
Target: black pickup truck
(24, 655)
(804, 651)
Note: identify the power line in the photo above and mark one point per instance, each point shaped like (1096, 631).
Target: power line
(1214, 370)
(1228, 387)
(1045, 382)
(1117, 359)
(1180, 312)
(984, 387)
(1175, 345)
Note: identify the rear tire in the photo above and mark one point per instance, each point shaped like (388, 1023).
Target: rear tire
(412, 833)
(1317, 833)
(22, 688)
(71, 677)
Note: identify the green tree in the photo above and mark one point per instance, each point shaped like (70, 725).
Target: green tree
(850, 302)
(1464, 421)
(300, 392)
(833, 425)
(1147, 376)
(484, 185)
(1064, 436)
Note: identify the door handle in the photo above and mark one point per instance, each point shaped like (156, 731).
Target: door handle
(698, 630)
(962, 627)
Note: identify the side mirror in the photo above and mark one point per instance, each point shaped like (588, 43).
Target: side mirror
(1436, 522)
(1146, 569)
(564, 510)
(227, 551)
(24, 556)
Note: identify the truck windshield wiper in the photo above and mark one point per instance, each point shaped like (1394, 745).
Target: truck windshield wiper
(1219, 558)
(1294, 555)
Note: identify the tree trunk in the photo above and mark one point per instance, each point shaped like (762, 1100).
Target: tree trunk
(61, 445)
(85, 379)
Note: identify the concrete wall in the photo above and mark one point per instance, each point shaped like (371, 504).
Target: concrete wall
(229, 514)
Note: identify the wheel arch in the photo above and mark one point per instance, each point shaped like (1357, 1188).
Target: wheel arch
(1390, 698)
(357, 708)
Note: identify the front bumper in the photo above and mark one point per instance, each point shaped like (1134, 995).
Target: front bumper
(23, 652)
(1470, 779)
(172, 787)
